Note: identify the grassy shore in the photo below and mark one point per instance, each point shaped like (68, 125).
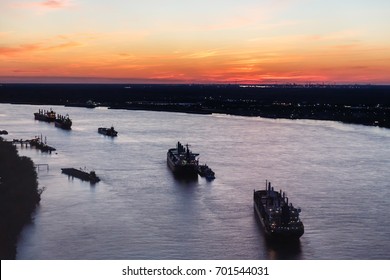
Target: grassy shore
(19, 195)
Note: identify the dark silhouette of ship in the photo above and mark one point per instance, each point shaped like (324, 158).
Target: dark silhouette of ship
(108, 131)
(182, 161)
(91, 104)
(46, 116)
(63, 122)
(279, 219)
(81, 174)
(60, 121)
(205, 171)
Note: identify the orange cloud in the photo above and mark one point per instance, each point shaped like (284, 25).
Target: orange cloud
(62, 46)
(252, 63)
(45, 5)
(54, 4)
(343, 35)
(203, 54)
(29, 48)
(26, 48)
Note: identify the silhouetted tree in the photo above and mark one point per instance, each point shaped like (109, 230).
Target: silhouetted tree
(19, 195)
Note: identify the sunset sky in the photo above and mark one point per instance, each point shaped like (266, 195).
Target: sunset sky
(183, 41)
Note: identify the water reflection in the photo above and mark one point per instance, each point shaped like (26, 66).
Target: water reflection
(141, 211)
(183, 179)
(279, 249)
(283, 250)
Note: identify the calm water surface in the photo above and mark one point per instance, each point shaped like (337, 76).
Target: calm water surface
(337, 173)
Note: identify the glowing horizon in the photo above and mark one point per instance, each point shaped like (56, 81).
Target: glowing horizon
(248, 41)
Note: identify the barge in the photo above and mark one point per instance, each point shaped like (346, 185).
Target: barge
(81, 174)
(108, 131)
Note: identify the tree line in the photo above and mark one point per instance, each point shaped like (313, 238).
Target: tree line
(19, 196)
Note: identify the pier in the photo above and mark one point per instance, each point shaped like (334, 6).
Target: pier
(39, 165)
(36, 143)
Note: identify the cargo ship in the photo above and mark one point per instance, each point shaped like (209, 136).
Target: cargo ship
(46, 116)
(182, 161)
(108, 131)
(81, 174)
(63, 122)
(279, 219)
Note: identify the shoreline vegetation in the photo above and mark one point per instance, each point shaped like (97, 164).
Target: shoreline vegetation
(357, 104)
(19, 196)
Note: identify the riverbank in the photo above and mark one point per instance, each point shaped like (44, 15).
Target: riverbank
(358, 104)
(19, 195)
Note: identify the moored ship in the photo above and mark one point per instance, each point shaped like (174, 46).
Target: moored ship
(108, 131)
(279, 219)
(46, 116)
(63, 122)
(81, 174)
(182, 161)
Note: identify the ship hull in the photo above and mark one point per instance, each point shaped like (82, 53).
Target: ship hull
(281, 232)
(44, 118)
(82, 175)
(206, 172)
(276, 235)
(107, 131)
(66, 126)
(186, 171)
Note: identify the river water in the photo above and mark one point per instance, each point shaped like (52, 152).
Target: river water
(338, 174)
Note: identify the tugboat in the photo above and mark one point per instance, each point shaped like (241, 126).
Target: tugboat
(91, 104)
(84, 176)
(63, 122)
(108, 131)
(207, 172)
(46, 116)
(182, 161)
(280, 220)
